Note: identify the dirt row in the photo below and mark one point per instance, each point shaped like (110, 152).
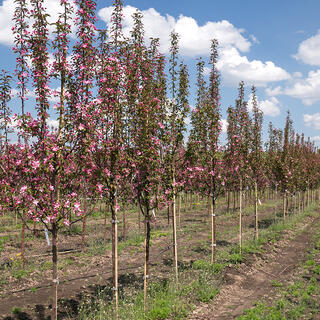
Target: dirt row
(254, 281)
(89, 273)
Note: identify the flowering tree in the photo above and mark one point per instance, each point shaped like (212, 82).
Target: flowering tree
(51, 165)
(21, 49)
(239, 139)
(175, 126)
(206, 128)
(147, 115)
(256, 157)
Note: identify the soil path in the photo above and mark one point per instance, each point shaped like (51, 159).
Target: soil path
(87, 275)
(253, 282)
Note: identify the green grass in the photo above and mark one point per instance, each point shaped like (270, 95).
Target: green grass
(300, 300)
(3, 241)
(165, 299)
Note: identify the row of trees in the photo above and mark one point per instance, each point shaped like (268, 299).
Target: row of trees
(121, 132)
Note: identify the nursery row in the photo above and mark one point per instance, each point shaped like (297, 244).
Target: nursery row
(115, 130)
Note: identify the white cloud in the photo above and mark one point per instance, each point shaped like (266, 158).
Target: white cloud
(52, 123)
(273, 91)
(315, 138)
(269, 107)
(308, 89)
(194, 39)
(224, 125)
(7, 12)
(235, 68)
(312, 120)
(309, 50)
(6, 22)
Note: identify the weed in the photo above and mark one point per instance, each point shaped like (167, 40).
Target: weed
(3, 241)
(204, 265)
(277, 284)
(15, 310)
(235, 258)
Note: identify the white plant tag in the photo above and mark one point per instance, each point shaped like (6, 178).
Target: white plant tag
(259, 202)
(47, 236)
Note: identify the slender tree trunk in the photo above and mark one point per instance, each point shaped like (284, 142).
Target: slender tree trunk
(284, 205)
(228, 201)
(35, 228)
(55, 280)
(114, 234)
(256, 210)
(139, 218)
(146, 260)
(84, 223)
(23, 235)
(105, 224)
(240, 216)
(124, 221)
(213, 229)
(179, 210)
(174, 227)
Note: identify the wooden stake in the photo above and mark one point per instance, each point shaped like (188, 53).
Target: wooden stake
(240, 217)
(179, 210)
(23, 232)
(256, 210)
(105, 224)
(84, 222)
(55, 280)
(114, 223)
(284, 205)
(213, 230)
(147, 232)
(174, 227)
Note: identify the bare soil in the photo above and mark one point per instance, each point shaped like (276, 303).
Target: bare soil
(83, 274)
(254, 281)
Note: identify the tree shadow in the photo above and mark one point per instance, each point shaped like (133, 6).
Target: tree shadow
(264, 223)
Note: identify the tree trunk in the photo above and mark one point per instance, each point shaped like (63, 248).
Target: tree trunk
(179, 210)
(105, 224)
(124, 221)
(213, 229)
(114, 234)
(256, 210)
(284, 205)
(55, 280)
(146, 260)
(240, 217)
(139, 218)
(23, 235)
(84, 223)
(228, 201)
(174, 227)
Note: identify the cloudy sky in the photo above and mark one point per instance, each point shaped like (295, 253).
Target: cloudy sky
(272, 44)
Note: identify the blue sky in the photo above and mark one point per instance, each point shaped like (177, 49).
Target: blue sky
(272, 44)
